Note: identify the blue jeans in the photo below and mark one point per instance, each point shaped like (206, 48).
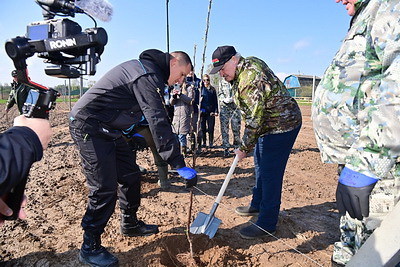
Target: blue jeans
(182, 139)
(270, 157)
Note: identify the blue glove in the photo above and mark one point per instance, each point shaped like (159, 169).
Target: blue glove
(203, 110)
(138, 135)
(352, 193)
(189, 175)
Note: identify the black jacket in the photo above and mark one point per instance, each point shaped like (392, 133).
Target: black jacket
(20, 147)
(209, 102)
(127, 94)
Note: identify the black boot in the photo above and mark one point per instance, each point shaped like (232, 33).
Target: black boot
(211, 140)
(93, 253)
(192, 142)
(198, 151)
(131, 226)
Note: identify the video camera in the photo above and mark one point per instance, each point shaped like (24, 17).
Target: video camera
(61, 42)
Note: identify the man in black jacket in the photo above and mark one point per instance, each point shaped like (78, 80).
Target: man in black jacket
(20, 147)
(126, 95)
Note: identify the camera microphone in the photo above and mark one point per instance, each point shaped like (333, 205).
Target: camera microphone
(60, 4)
(100, 9)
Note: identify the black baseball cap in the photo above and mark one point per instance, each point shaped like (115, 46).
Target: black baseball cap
(220, 56)
(14, 73)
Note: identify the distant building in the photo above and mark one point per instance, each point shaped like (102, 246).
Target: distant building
(297, 82)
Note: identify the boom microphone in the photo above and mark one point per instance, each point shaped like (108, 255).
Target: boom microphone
(57, 3)
(100, 9)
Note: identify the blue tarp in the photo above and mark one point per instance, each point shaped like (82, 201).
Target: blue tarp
(291, 82)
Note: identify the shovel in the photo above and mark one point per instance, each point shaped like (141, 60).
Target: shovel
(207, 223)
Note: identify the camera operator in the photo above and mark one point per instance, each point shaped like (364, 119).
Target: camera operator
(20, 147)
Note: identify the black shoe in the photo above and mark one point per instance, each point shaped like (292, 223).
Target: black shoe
(337, 264)
(94, 254)
(97, 258)
(247, 211)
(163, 184)
(140, 229)
(254, 232)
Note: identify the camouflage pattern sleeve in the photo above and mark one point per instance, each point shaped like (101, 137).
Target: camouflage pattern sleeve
(356, 108)
(264, 102)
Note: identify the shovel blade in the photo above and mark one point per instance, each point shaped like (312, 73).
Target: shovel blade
(204, 225)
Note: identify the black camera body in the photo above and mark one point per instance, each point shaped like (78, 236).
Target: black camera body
(61, 43)
(72, 52)
(39, 103)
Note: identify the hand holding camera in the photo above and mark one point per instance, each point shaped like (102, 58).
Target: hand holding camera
(40, 126)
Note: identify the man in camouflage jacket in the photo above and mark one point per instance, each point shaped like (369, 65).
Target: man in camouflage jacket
(356, 116)
(18, 94)
(272, 122)
(229, 114)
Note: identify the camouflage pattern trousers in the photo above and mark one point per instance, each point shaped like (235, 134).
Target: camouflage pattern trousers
(229, 114)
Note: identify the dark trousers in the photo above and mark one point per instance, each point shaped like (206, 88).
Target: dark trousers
(207, 124)
(110, 169)
(270, 157)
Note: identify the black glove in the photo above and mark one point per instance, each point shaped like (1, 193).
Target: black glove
(190, 176)
(190, 183)
(352, 193)
(137, 142)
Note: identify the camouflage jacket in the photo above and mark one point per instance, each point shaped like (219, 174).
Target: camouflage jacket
(265, 103)
(356, 107)
(225, 94)
(18, 94)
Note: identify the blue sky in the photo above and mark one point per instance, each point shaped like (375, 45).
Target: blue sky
(291, 36)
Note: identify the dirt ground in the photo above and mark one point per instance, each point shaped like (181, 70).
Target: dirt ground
(52, 235)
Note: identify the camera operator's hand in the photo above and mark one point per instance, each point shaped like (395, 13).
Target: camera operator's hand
(5, 210)
(40, 126)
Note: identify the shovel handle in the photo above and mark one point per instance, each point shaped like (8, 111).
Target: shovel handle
(227, 179)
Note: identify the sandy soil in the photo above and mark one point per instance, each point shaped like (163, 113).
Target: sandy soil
(52, 235)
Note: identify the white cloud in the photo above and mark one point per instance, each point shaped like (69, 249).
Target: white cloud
(301, 44)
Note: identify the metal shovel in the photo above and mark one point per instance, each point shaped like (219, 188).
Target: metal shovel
(207, 223)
